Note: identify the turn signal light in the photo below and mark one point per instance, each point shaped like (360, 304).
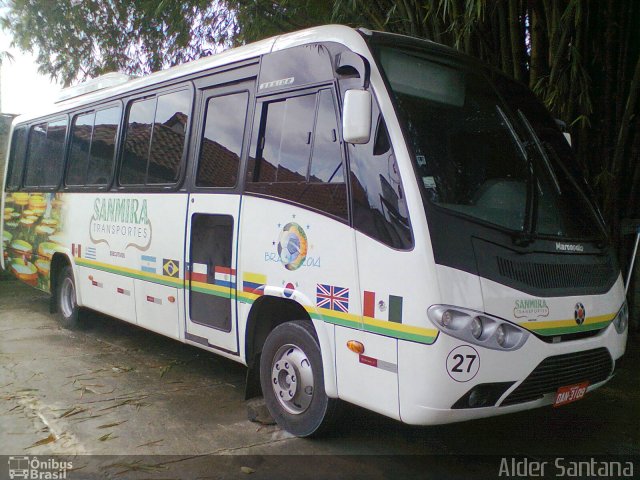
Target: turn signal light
(91, 277)
(355, 346)
(171, 299)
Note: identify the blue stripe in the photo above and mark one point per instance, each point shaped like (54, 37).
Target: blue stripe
(148, 269)
(223, 283)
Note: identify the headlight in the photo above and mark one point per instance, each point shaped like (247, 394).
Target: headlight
(622, 318)
(477, 328)
(501, 335)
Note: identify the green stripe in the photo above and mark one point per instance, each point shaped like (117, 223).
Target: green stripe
(335, 320)
(169, 282)
(388, 332)
(207, 291)
(395, 305)
(565, 330)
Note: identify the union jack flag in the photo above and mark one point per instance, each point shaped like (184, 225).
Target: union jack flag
(332, 298)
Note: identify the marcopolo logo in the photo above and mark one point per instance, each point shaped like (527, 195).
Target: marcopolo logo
(38, 468)
(277, 83)
(569, 247)
(531, 308)
(121, 223)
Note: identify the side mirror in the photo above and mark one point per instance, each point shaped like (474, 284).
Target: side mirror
(563, 128)
(356, 116)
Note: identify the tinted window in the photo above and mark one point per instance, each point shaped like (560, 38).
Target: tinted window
(167, 142)
(379, 204)
(136, 144)
(46, 154)
(297, 154)
(103, 144)
(222, 140)
(16, 159)
(326, 164)
(81, 132)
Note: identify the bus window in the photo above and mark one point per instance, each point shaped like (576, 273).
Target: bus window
(103, 145)
(379, 206)
(81, 133)
(46, 154)
(155, 138)
(298, 155)
(167, 141)
(16, 158)
(326, 164)
(222, 140)
(136, 144)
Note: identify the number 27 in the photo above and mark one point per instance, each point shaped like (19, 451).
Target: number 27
(460, 358)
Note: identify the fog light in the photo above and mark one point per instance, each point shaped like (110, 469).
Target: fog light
(482, 395)
(476, 327)
(501, 335)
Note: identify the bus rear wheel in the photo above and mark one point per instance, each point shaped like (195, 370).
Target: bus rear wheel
(66, 300)
(292, 380)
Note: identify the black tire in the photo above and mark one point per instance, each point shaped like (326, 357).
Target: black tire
(69, 314)
(302, 414)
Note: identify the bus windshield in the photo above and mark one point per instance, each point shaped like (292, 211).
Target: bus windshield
(486, 148)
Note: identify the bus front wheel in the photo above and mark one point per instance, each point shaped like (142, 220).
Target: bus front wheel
(292, 380)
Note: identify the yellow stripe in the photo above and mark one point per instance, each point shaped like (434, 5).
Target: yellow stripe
(254, 278)
(209, 286)
(567, 323)
(247, 297)
(131, 271)
(334, 313)
(400, 327)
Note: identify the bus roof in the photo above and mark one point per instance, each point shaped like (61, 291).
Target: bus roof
(328, 33)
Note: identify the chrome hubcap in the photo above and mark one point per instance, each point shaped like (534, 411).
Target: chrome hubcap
(67, 297)
(292, 379)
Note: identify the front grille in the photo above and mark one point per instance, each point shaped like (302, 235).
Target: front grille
(569, 337)
(555, 275)
(547, 273)
(554, 372)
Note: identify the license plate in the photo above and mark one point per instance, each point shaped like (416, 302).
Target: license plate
(570, 393)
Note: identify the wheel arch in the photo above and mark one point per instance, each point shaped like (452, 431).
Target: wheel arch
(266, 313)
(58, 262)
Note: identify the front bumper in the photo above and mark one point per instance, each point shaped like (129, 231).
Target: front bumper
(428, 391)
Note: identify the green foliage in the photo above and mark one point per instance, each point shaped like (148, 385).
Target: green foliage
(579, 56)
(76, 40)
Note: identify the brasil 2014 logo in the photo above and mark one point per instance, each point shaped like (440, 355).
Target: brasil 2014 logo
(292, 246)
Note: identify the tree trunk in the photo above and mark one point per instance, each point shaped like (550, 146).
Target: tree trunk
(505, 43)
(515, 30)
(539, 46)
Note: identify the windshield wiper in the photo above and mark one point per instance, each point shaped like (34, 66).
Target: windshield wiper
(541, 150)
(525, 237)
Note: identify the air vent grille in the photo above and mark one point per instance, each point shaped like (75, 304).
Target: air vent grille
(591, 366)
(555, 275)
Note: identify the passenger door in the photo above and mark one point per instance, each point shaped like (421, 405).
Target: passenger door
(213, 214)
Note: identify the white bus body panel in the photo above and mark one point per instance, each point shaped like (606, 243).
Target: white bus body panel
(330, 260)
(129, 265)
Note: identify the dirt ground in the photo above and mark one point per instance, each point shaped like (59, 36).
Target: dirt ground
(123, 402)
